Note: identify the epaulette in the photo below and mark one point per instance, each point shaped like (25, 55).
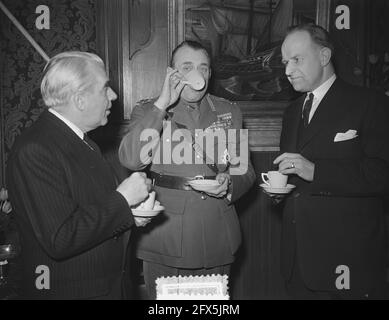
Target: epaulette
(144, 101)
(222, 99)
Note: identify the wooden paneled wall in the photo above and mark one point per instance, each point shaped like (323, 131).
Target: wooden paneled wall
(256, 272)
(133, 41)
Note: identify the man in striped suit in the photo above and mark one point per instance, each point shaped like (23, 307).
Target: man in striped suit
(71, 213)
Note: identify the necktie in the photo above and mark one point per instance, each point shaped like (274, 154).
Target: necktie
(194, 112)
(91, 144)
(307, 109)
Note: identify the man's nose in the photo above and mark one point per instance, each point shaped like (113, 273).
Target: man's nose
(288, 70)
(112, 95)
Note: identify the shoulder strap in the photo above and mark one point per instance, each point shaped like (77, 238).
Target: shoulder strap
(210, 102)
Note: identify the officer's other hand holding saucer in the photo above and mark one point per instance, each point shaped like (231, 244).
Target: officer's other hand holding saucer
(215, 188)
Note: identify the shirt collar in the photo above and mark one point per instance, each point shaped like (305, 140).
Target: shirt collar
(320, 92)
(70, 124)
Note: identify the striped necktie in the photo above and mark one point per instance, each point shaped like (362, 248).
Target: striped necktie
(91, 144)
(307, 109)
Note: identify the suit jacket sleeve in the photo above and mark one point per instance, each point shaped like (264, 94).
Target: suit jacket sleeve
(370, 173)
(146, 120)
(63, 226)
(242, 174)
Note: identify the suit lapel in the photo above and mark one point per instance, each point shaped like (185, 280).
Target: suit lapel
(328, 111)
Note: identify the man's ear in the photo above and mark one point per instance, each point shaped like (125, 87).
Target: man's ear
(325, 56)
(78, 101)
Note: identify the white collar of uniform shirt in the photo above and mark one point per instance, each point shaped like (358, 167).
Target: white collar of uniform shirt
(70, 124)
(319, 94)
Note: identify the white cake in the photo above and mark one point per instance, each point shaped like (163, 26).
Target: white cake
(211, 287)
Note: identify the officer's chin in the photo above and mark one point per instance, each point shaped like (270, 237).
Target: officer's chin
(190, 95)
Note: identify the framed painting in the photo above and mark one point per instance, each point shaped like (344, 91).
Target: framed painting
(244, 38)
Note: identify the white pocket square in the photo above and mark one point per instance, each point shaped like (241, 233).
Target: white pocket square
(350, 134)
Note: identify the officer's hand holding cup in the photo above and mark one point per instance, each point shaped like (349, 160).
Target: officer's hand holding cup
(171, 89)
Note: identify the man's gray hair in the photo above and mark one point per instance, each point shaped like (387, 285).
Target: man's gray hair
(68, 73)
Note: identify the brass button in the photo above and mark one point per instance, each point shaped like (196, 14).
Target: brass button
(203, 197)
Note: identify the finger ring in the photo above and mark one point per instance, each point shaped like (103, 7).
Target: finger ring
(292, 165)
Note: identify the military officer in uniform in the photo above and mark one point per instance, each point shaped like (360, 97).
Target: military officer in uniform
(199, 232)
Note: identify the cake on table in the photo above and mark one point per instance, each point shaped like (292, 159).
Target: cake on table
(210, 287)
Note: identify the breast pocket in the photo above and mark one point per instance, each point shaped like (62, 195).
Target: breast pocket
(164, 234)
(348, 148)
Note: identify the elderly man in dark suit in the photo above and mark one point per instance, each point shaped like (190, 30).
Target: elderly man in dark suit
(335, 149)
(71, 212)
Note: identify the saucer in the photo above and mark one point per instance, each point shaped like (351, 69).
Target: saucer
(204, 184)
(147, 213)
(285, 190)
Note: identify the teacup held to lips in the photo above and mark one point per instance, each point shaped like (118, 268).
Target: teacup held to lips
(274, 179)
(195, 80)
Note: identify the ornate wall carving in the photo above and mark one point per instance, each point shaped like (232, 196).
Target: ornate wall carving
(72, 27)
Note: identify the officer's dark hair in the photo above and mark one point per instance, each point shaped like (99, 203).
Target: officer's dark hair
(318, 34)
(191, 44)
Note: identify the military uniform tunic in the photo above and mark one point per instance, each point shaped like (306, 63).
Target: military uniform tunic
(195, 230)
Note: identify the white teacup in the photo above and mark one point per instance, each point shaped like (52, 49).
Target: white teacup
(275, 179)
(195, 80)
(149, 202)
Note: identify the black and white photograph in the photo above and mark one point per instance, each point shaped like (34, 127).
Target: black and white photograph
(211, 151)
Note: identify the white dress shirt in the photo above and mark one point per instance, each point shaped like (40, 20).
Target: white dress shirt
(319, 94)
